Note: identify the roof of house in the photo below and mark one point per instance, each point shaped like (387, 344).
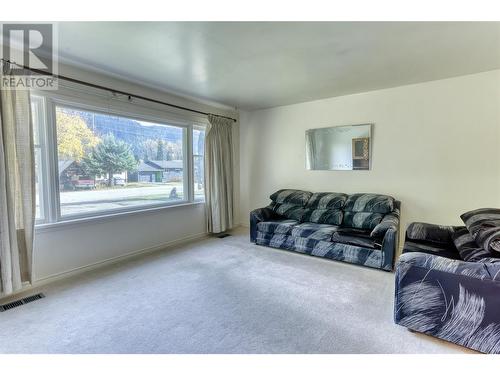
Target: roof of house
(167, 164)
(147, 166)
(63, 164)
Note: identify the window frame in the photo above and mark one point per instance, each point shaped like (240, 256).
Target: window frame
(43, 175)
(107, 104)
(193, 156)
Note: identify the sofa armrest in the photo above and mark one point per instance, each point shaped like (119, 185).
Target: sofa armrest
(389, 221)
(389, 246)
(450, 299)
(258, 215)
(430, 232)
(388, 228)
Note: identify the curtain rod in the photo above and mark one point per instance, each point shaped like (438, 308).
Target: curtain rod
(74, 80)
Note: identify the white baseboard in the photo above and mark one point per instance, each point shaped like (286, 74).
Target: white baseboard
(90, 267)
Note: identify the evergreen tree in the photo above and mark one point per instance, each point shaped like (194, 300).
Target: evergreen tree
(110, 156)
(160, 152)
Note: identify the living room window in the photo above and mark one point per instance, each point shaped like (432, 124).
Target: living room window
(95, 160)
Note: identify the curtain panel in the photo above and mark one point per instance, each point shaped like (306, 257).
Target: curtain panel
(219, 174)
(17, 190)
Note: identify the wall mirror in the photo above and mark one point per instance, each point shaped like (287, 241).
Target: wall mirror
(344, 148)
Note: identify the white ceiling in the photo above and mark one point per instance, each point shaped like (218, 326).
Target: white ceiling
(253, 65)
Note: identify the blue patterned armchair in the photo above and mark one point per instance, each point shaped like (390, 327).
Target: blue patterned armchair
(448, 285)
(358, 228)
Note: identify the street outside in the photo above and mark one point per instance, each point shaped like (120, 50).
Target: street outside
(83, 201)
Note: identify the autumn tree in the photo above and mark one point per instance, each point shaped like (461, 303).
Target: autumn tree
(110, 156)
(74, 138)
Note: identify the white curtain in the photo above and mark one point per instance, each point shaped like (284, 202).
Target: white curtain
(17, 190)
(219, 174)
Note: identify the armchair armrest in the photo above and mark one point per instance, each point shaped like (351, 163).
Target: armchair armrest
(430, 232)
(484, 270)
(258, 215)
(450, 299)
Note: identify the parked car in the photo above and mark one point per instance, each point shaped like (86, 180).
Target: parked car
(83, 182)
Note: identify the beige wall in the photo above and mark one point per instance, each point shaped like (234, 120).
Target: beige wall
(436, 147)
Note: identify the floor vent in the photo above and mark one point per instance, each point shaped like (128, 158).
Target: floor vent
(223, 235)
(20, 302)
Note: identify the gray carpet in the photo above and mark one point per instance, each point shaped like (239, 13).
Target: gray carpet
(216, 296)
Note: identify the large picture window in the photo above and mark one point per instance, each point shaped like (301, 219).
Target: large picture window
(103, 162)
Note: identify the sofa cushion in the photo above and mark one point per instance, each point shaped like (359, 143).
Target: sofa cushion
(289, 210)
(327, 200)
(484, 226)
(354, 232)
(378, 203)
(320, 232)
(277, 240)
(277, 226)
(361, 220)
(339, 251)
(352, 237)
(323, 216)
(290, 196)
(468, 249)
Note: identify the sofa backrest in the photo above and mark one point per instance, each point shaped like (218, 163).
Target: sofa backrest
(290, 196)
(361, 211)
(365, 211)
(325, 208)
(290, 203)
(365, 202)
(327, 201)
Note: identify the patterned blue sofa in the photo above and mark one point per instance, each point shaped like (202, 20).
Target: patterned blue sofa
(448, 281)
(359, 228)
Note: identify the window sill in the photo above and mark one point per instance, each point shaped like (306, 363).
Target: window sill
(108, 216)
